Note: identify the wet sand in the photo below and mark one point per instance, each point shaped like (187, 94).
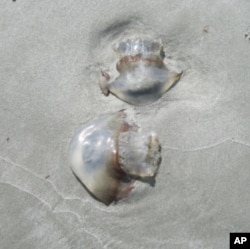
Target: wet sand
(51, 56)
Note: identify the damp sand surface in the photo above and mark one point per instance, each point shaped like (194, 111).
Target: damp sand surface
(51, 54)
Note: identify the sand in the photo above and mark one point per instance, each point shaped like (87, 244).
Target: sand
(51, 53)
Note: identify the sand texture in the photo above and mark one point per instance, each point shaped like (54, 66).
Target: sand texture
(51, 54)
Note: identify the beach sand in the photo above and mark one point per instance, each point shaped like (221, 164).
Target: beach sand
(51, 54)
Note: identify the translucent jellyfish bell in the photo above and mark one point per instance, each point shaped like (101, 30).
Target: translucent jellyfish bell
(109, 153)
(144, 77)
